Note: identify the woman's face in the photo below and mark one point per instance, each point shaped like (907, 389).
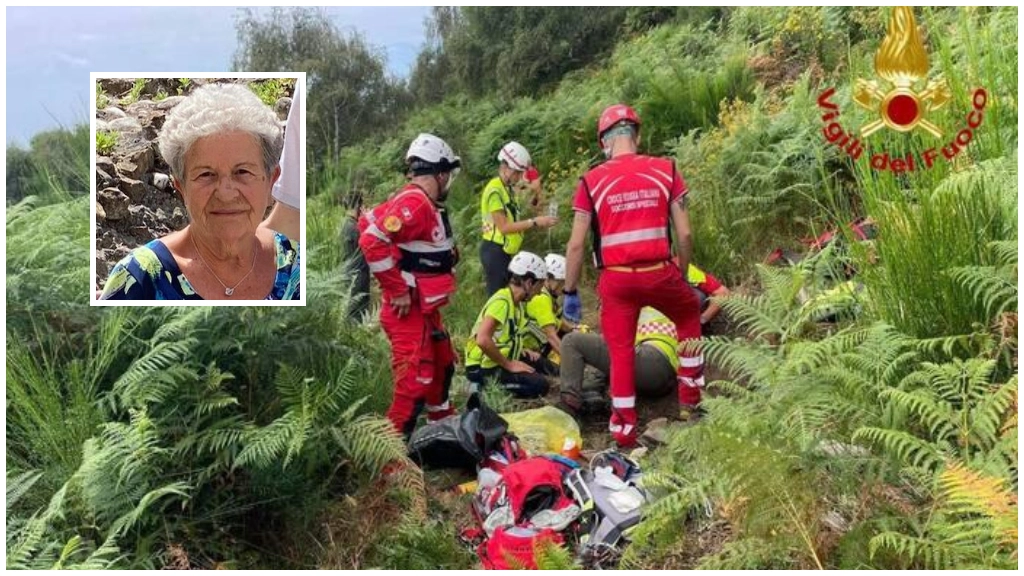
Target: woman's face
(226, 188)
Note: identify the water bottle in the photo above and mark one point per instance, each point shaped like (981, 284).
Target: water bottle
(553, 209)
(569, 448)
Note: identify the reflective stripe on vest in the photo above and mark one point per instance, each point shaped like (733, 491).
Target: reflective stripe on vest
(634, 236)
(381, 265)
(377, 233)
(512, 241)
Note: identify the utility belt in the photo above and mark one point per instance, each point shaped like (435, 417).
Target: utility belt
(441, 262)
(633, 269)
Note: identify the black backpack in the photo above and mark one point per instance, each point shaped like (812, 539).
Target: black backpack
(459, 441)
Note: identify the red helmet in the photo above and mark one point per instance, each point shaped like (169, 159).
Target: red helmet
(612, 115)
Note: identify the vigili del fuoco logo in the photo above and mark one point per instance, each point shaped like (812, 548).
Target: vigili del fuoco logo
(902, 64)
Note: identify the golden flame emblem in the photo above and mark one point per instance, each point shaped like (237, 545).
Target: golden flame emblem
(903, 62)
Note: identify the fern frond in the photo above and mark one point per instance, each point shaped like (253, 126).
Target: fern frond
(743, 554)
(70, 548)
(988, 416)
(1010, 424)
(182, 324)
(959, 382)
(265, 445)
(370, 441)
(19, 485)
(947, 345)
(749, 313)
(213, 397)
(26, 548)
(937, 417)
(26, 543)
(291, 385)
(151, 378)
(729, 388)
(228, 435)
(341, 387)
(995, 291)
(103, 558)
(932, 553)
(553, 556)
(903, 445)
(120, 526)
(995, 287)
(809, 355)
(1005, 252)
(968, 493)
(842, 301)
(738, 357)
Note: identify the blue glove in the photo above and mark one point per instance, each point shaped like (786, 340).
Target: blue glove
(572, 310)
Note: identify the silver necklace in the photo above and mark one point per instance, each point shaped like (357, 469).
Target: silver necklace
(231, 290)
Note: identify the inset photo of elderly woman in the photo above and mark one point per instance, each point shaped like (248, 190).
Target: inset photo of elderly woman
(198, 188)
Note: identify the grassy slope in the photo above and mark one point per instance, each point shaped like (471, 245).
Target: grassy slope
(762, 175)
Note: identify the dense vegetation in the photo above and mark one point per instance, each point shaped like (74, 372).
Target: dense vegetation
(252, 437)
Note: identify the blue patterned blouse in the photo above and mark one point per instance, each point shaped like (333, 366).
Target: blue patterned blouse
(150, 273)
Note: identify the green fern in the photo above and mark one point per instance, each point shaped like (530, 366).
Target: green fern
(57, 381)
(994, 286)
(313, 410)
(19, 485)
(370, 441)
(35, 543)
(552, 556)
(153, 377)
(958, 411)
(974, 525)
(743, 554)
(907, 447)
(764, 448)
(120, 471)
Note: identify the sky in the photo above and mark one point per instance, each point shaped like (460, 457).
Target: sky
(51, 51)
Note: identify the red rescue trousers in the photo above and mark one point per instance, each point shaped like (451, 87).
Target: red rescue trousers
(623, 294)
(422, 365)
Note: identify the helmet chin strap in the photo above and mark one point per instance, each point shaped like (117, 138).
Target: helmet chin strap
(606, 147)
(442, 190)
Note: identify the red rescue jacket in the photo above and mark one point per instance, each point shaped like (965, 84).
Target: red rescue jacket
(408, 244)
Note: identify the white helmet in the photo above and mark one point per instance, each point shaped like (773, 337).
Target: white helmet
(515, 156)
(525, 263)
(431, 150)
(555, 263)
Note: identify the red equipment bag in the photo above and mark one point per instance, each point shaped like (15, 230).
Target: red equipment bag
(515, 547)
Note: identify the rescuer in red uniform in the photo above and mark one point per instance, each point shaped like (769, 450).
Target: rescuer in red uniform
(408, 244)
(633, 203)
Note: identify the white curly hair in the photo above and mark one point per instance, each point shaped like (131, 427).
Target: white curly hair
(216, 108)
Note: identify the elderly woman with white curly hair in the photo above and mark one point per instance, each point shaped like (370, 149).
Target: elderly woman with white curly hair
(222, 145)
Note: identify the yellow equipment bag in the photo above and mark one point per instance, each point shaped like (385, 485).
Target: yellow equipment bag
(545, 430)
